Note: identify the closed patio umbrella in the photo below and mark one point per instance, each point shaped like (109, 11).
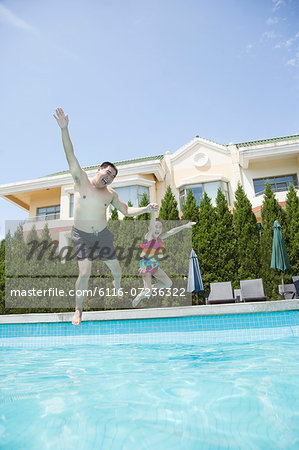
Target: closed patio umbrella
(279, 259)
(195, 283)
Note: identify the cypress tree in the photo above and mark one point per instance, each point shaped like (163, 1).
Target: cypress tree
(33, 261)
(247, 237)
(15, 254)
(34, 267)
(46, 236)
(32, 235)
(292, 229)
(144, 202)
(190, 213)
(2, 277)
(205, 242)
(49, 259)
(16, 265)
(169, 206)
(271, 211)
(170, 215)
(226, 242)
(190, 209)
(114, 214)
(130, 204)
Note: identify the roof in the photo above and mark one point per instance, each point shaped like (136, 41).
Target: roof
(117, 163)
(266, 141)
(151, 158)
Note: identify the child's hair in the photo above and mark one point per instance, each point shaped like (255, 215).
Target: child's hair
(159, 220)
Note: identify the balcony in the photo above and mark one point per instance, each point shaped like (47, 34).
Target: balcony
(55, 224)
(280, 194)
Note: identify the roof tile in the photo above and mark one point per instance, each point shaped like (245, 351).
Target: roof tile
(117, 163)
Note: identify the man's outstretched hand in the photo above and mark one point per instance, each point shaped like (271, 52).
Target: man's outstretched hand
(61, 118)
(152, 207)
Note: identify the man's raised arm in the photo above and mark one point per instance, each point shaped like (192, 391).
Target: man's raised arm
(130, 211)
(63, 121)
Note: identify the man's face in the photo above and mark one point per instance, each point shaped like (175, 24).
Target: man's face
(106, 176)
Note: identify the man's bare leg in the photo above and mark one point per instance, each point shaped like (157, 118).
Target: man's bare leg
(115, 268)
(147, 289)
(81, 285)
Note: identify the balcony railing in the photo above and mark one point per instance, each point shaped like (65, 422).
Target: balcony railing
(44, 217)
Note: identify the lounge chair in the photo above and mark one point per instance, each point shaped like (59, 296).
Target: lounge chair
(221, 293)
(252, 290)
(288, 292)
(296, 285)
(237, 295)
(295, 278)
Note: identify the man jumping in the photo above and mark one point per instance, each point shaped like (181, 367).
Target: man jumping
(91, 200)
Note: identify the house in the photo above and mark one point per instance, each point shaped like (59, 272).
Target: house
(201, 164)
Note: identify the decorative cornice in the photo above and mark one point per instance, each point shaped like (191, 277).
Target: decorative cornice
(33, 185)
(202, 178)
(259, 152)
(148, 167)
(201, 142)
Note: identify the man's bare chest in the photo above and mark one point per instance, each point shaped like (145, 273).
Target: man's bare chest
(89, 197)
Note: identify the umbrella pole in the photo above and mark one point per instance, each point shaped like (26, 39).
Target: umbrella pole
(283, 294)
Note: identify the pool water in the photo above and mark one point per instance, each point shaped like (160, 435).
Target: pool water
(222, 396)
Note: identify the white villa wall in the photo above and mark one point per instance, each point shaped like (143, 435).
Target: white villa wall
(267, 169)
(199, 161)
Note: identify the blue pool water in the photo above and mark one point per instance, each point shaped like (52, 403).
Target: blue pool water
(216, 396)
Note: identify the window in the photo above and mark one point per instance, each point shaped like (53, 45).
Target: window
(72, 205)
(48, 213)
(198, 190)
(132, 193)
(279, 183)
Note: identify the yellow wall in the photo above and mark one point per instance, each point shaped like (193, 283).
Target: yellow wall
(42, 198)
(219, 164)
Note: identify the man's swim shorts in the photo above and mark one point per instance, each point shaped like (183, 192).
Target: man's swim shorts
(98, 245)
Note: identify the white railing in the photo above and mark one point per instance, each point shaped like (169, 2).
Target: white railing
(44, 218)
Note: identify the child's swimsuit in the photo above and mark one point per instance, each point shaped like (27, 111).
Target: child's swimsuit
(151, 252)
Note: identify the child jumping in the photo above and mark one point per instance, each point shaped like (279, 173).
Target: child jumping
(152, 252)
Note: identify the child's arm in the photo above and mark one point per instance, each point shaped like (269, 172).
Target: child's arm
(151, 228)
(177, 230)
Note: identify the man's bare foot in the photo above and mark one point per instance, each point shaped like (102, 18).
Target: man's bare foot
(77, 317)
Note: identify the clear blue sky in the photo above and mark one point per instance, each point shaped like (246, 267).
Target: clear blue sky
(140, 77)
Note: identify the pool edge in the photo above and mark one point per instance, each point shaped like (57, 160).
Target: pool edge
(153, 313)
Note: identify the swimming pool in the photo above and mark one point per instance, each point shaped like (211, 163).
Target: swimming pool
(112, 385)
(151, 396)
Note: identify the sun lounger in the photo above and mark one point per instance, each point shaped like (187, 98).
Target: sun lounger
(237, 295)
(252, 290)
(296, 284)
(221, 293)
(288, 292)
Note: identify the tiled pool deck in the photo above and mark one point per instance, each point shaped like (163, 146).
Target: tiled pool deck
(201, 325)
